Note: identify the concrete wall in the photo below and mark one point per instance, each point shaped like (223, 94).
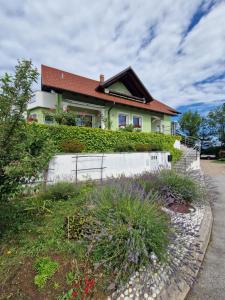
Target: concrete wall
(88, 166)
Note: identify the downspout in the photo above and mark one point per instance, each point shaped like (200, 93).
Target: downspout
(109, 125)
(59, 101)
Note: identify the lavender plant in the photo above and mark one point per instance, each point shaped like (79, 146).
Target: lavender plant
(130, 228)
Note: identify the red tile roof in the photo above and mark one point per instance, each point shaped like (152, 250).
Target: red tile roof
(65, 81)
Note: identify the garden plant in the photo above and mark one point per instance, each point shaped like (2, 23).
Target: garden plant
(89, 238)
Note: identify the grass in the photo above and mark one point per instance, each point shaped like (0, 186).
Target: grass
(27, 231)
(104, 232)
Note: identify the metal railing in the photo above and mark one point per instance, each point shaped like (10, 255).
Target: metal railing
(101, 167)
(192, 148)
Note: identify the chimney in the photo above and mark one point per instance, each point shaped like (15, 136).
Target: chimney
(101, 78)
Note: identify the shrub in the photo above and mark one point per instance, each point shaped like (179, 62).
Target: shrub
(62, 190)
(222, 153)
(71, 146)
(143, 147)
(37, 206)
(181, 186)
(128, 128)
(45, 268)
(126, 147)
(147, 147)
(130, 229)
(99, 140)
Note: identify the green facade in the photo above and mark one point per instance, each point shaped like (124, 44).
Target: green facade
(119, 87)
(39, 114)
(151, 121)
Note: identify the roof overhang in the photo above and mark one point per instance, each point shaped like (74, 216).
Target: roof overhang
(130, 79)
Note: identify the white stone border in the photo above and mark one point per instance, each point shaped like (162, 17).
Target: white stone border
(172, 292)
(161, 283)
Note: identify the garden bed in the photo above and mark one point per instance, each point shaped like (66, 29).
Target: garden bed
(114, 240)
(160, 281)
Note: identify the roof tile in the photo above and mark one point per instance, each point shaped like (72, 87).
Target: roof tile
(58, 79)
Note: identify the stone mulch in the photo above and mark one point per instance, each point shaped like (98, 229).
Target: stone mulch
(150, 281)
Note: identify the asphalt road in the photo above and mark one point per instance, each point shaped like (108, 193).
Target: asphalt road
(210, 283)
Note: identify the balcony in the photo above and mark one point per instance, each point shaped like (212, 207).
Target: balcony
(43, 99)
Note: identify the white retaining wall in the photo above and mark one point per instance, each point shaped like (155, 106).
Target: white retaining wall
(97, 166)
(195, 165)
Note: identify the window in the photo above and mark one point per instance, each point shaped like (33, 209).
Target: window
(137, 122)
(123, 120)
(32, 118)
(49, 119)
(84, 120)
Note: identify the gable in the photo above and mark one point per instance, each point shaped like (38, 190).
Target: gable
(128, 81)
(120, 88)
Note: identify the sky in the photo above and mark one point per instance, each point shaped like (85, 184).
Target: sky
(177, 47)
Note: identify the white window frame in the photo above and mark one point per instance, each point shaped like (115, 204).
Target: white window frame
(127, 119)
(137, 116)
(93, 119)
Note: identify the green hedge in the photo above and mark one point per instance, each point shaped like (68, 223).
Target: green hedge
(99, 140)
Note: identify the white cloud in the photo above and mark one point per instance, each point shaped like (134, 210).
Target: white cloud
(92, 37)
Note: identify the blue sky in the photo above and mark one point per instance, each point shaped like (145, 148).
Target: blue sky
(176, 47)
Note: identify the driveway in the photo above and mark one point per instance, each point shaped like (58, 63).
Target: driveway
(210, 283)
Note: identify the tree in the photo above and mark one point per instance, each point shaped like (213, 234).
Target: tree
(216, 121)
(23, 155)
(190, 122)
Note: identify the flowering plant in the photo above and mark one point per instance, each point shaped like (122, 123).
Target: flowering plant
(82, 289)
(32, 119)
(137, 126)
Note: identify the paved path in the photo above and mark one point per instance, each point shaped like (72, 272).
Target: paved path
(210, 284)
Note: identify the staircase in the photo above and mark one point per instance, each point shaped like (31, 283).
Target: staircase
(191, 155)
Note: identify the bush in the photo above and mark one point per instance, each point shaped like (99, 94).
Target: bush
(130, 229)
(147, 147)
(45, 268)
(181, 186)
(99, 140)
(63, 190)
(222, 153)
(37, 206)
(71, 146)
(124, 148)
(128, 128)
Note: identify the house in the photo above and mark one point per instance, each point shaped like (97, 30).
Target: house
(113, 103)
